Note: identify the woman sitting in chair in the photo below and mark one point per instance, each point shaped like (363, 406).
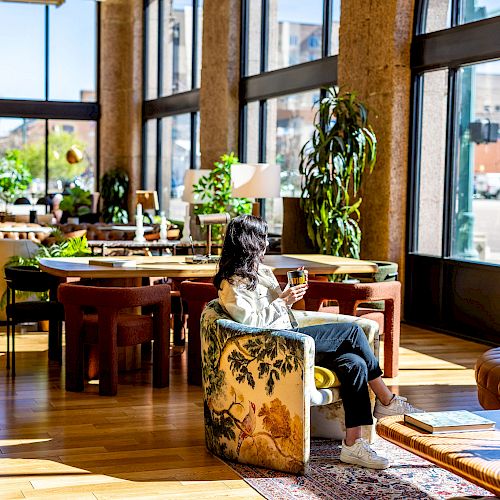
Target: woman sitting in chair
(250, 294)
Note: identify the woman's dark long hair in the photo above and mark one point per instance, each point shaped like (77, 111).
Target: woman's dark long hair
(244, 246)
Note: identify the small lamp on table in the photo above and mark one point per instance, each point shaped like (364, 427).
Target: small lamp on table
(256, 180)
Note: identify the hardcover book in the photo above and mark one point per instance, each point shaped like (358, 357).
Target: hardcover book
(112, 262)
(449, 421)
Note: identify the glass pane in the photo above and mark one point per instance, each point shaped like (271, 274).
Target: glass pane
(432, 163)
(334, 42)
(76, 138)
(27, 136)
(152, 49)
(253, 36)
(290, 126)
(200, 44)
(150, 166)
(22, 51)
(72, 45)
(295, 32)
(177, 46)
(252, 132)
(175, 160)
(476, 224)
(474, 10)
(437, 16)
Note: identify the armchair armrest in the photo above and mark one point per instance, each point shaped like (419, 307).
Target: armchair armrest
(371, 328)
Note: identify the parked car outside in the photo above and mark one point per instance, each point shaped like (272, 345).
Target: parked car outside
(487, 185)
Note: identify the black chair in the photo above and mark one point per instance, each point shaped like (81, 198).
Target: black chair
(22, 201)
(32, 279)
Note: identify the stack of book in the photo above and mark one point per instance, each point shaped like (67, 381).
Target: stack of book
(449, 421)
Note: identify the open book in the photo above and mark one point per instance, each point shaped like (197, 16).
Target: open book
(112, 262)
(449, 421)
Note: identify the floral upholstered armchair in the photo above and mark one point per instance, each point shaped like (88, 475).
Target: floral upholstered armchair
(257, 390)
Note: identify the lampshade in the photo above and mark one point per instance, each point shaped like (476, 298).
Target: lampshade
(255, 180)
(148, 199)
(191, 177)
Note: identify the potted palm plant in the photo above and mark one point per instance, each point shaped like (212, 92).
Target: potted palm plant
(343, 145)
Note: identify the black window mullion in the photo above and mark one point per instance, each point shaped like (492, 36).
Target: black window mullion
(450, 162)
(194, 55)
(192, 155)
(417, 96)
(46, 157)
(327, 27)
(160, 49)
(245, 17)
(262, 147)
(47, 26)
(159, 176)
(264, 38)
(455, 12)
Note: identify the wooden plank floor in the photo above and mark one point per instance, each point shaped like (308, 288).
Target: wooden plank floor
(147, 443)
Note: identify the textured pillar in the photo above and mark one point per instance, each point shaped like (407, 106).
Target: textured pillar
(121, 88)
(374, 61)
(220, 73)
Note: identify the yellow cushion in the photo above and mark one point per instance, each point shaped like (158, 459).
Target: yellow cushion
(325, 378)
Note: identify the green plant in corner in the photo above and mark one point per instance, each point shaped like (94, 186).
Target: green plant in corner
(332, 163)
(114, 194)
(76, 202)
(214, 191)
(15, 177)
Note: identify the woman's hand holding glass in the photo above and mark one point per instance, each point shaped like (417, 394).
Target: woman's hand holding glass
(293, 294)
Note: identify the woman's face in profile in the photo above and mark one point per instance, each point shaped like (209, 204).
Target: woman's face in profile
(265, 249)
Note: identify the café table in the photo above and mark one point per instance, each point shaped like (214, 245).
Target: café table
(179, 267)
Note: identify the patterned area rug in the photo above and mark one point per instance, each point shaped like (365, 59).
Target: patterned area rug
(409, 478)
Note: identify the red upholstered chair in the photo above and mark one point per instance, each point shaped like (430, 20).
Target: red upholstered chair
(196, 295)
(349, 296)
(110, 327)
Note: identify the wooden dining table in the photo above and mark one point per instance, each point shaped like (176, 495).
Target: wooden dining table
(176, 266)
(180, 267)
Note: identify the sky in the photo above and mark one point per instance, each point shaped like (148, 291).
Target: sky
(72, 50)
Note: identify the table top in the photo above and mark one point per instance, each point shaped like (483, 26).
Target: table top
(177, 267)
(132, 243)
(473, 455)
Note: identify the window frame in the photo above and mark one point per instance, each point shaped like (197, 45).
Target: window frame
(52, 109)
(171, 105)
(307, 76)
(452, 277)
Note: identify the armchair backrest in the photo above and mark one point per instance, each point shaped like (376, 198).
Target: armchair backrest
(29, 279)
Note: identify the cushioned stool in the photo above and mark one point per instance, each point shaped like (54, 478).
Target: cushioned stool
(488, 379)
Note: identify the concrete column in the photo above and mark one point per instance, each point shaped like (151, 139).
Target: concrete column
(121, 88)
(374, 61)
(220, 73)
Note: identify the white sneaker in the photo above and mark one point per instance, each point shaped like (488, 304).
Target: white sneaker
(360, 453)
(397, 406)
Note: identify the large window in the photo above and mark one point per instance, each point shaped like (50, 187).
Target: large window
(171, 120)
(48, 101)
(287, 57)
(454, 228)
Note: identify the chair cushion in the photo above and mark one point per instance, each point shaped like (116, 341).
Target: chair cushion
(361, 312)
(36, 310)
(133, 329)
(488, 379)
(325, 378)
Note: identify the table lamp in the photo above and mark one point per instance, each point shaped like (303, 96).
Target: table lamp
(191, 177)
(208, 220)
(256, 180)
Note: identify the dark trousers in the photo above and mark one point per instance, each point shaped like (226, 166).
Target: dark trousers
(344, 349)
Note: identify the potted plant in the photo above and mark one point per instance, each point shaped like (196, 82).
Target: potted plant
(114, 194)
(75, 203)
(215, 191)
(15, 177)
(332, 162)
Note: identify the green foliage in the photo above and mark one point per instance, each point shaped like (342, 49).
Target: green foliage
(33, 155)
(77, 202)
(332, 162)
(114, 193)
(15, 177)
(214, 190)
